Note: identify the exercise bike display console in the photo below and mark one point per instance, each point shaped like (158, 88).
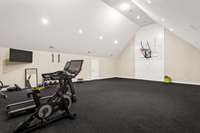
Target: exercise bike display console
(57, 107)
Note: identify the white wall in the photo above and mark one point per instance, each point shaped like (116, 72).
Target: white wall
(152, 68)
(11, 73)
(107, 67)
(126, 62)
(131, 64)
(181, 60)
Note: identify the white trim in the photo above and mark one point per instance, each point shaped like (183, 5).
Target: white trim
(178, 82)
(129, 77)
(94, 79)
(125, 77)
(188, 83)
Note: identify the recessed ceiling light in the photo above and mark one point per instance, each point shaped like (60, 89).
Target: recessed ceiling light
(160, 35)
(162, 19)
(100, 37)
(116, 42)
(124, 7)
(138, 17)
(45, 21)
(80, 31)
(171, 29)
(149, 1)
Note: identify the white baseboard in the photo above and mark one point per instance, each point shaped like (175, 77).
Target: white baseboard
(125, 77)
(189, 83)
(178, 82)
(102, 78)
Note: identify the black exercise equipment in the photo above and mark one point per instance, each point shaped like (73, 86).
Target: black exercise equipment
(22, 107)
(15, 88)
(8, 89)
(72, 69)
(2, 95)
(28, 106)
(146, 52)
(57, 107)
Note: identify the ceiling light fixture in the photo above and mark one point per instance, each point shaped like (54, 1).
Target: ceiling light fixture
(162, 19)
(138, 17)
(160, 35)
(80, 31)
(45, 21)
(149, 1)
(171, 29)
(100, 37)
(116, 42)
(124, 7)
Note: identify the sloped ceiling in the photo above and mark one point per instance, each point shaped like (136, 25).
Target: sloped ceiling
(132, 11)
(182, 16)
(21, 26)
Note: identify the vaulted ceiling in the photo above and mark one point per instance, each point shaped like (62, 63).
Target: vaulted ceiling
(180, 16)
(73, 26)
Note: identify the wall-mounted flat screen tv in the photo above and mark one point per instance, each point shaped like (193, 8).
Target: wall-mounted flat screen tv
(17, 55)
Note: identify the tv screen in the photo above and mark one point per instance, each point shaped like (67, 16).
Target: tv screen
(21, 56)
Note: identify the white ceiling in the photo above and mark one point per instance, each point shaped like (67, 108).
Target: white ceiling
(21, 26)
(181, 15)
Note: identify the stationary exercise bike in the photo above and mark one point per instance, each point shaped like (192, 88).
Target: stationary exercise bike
(57, 107)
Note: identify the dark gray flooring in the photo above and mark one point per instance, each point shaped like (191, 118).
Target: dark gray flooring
(127, 106)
